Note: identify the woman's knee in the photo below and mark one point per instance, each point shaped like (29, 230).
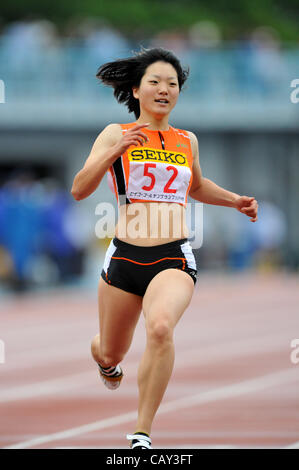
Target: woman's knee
(160, 330)
(95, 347)
(111, 358)
(105, 356)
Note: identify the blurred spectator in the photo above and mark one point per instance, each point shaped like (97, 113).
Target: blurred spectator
(36, 239)
(204, 34)
(90, 43)
(55, 242)
(6, 265)
(271, 235)
(26, 40)
(20, 224)
(259, 64)
(102, 41)
(254, 244)
(173, 40)
(267, 60)
(207, 60)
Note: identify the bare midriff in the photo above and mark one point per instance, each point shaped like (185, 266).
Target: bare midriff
(151, 223)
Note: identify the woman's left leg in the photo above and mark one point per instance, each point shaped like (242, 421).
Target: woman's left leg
(166, 298)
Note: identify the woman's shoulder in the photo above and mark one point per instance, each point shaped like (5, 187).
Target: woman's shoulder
(116, 128)
(186, 133)
(194, 142)
(110, 135)
(113, 128)
(189, 135)
(192, 139)
(113, 131)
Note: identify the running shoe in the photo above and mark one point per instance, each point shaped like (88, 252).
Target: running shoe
(111, 376)
(139, 441)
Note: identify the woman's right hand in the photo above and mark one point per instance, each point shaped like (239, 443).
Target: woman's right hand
(109, 145)
(133, 136)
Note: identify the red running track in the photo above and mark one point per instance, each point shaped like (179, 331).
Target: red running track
(234, 384)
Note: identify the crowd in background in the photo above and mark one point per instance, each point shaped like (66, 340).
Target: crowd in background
(255, 62)
(42, 238)
(45, 237)
(34, 34)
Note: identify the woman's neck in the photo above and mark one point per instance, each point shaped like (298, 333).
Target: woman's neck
(155, 124)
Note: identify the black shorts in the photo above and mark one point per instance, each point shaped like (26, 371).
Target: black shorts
(131, 268)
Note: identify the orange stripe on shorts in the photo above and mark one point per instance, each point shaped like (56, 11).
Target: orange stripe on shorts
(147, 264)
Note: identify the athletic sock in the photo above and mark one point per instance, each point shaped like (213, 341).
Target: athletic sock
(111, 371)
(136, 440)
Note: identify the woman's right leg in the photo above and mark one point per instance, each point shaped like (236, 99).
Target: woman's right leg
(119, 312)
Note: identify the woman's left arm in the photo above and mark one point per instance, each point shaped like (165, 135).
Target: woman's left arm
(208, 192)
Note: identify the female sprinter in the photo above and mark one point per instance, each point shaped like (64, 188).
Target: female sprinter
(155, 166)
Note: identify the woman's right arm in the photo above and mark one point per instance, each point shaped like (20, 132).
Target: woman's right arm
(108, 146)
(101, 157)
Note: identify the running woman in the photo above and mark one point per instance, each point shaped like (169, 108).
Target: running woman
(152, 167)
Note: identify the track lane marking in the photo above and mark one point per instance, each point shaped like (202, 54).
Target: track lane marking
(230, 391)
(193, 356)
(293, 446)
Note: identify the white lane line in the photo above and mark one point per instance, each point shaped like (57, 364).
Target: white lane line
(293, 446)
(54, 386)
(96, 426)
(230, 391)
(46, 387)
(198, 356)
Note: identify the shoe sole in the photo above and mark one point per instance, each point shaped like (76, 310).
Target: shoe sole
(111, 382)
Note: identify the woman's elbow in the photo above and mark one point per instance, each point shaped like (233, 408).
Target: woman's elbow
(76, 195)
(75, 191)
(194, 191)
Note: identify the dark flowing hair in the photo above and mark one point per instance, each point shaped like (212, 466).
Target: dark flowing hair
(124, 74)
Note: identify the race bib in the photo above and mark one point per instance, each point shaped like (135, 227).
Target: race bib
(158, 175)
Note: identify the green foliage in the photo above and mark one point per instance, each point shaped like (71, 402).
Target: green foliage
(146, 17)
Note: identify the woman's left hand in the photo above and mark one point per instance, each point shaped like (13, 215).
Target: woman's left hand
(248, 206)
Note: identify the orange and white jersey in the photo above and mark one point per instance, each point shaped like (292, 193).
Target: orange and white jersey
(160, 170)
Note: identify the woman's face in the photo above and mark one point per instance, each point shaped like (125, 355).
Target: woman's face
(159, 89)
